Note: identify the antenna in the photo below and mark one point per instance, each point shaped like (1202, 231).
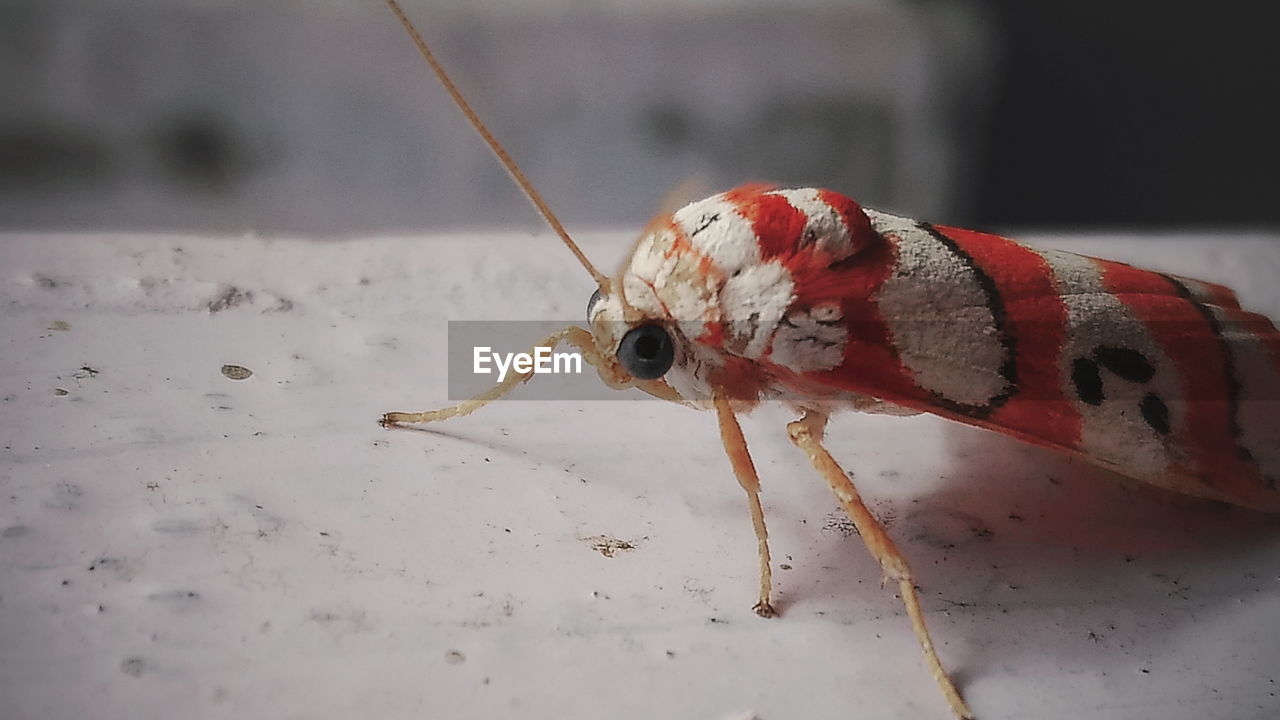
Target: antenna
(512, 169)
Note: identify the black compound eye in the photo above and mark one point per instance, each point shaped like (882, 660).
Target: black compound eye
(591, 304)
(646, 352)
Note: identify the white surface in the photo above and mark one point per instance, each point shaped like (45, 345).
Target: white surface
(176, 543)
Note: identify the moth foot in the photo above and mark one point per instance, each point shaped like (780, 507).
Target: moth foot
(765, 609)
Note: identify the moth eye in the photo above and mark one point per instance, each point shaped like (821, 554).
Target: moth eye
(646, 352)
(591, 304)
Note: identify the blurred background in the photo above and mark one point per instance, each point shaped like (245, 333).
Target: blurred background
(316, 117)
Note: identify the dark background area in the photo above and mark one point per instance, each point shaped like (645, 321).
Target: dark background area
(295, 117)
(1119, 113)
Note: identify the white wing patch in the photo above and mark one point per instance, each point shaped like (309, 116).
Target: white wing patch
(719, 233)
(650, 266)
(752, 304)
(810, 339)
(938, 312)
(660, 283)
(1258, 395)
(884, 223)
(1098, 323)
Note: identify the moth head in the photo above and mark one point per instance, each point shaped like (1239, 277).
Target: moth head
(638, 348)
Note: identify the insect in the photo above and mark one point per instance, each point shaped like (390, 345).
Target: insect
(803, 297)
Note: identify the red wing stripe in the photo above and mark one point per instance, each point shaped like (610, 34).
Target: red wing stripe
(776, 222)
(1204, 371)
(1035, 319)
(1232, 383)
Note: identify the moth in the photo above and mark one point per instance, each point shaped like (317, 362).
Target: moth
(802, 296)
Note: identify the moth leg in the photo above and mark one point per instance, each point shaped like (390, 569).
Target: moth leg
(806, 434)
(573, 335)
(735, 446)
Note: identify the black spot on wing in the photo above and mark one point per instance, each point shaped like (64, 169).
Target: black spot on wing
(1155, 412)
(1128, 364)
(1088, 381)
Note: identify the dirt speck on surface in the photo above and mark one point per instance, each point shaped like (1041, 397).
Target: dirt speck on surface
(837, 522)
(237, 372)
(175, 597)
(228, 296)
(607, 545)
(60, 325)
(283, 304)
(64, 496)
(133, 666)
(454, 657)
(61, 391)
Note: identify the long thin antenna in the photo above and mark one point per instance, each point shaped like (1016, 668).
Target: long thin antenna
(512, 169)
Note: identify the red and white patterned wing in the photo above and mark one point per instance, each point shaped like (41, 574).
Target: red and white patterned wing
(1161, 378)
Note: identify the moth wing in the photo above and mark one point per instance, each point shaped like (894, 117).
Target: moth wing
(1161, 378)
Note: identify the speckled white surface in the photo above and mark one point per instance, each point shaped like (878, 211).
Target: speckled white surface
(174, 543)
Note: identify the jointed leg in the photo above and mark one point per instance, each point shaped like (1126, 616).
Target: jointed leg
(806, 433)
(735, 446)
(573, 335)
